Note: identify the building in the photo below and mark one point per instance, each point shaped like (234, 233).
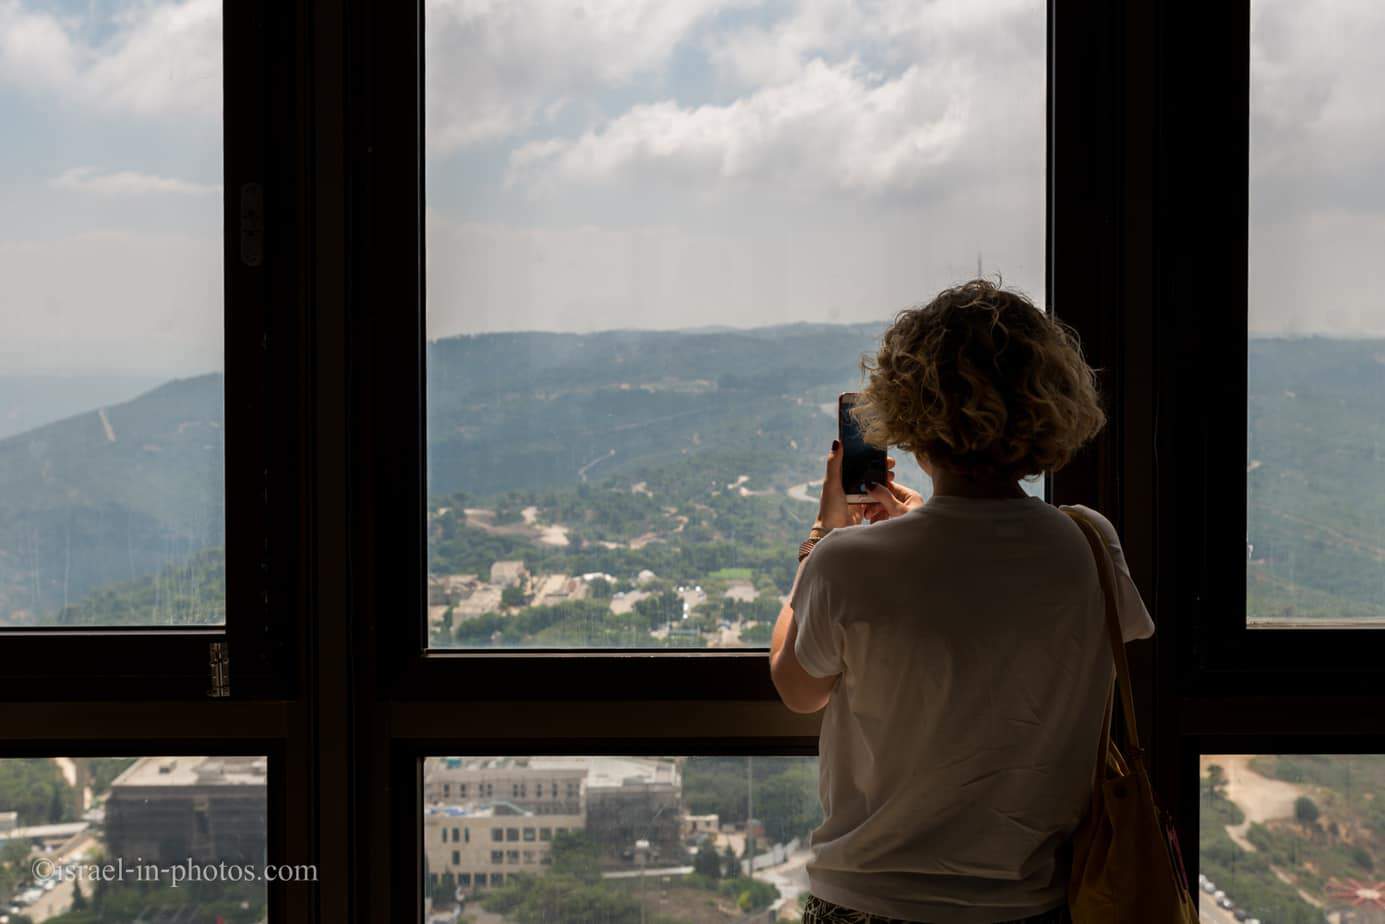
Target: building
(618, 800)
(552, 589)
(632, 799)
(448, 589)
(530, 784)
(169, 810)
(701, 824)
(505, 573)
(479, 844)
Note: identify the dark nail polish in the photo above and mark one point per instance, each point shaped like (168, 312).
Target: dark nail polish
(836, 444)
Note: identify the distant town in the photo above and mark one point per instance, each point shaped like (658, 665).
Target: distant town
(620, 833)
(64, 817)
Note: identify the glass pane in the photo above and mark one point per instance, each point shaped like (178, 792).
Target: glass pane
(660, 236)
(88, 840)
(1289, 839)
(1315, 471)
(111, 455)
(617, 839)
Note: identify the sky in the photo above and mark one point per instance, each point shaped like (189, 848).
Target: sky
(599, 164)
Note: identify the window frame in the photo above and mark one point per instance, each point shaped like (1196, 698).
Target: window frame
(110, 691)
(152, 738)
(388, 395)
(264, 409)
(677, 702)
(1221, 686)
(1207, 361)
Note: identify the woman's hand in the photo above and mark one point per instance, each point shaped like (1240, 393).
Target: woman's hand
(891, 499)
(833, 510)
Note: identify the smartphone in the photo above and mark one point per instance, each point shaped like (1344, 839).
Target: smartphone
(862, 463)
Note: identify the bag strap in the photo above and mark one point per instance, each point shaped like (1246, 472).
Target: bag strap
(1106, 574)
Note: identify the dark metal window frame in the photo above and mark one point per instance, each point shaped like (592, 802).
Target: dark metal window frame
(1202, 324)
(1221, 686)
(264, 392)
(388, 392)
(144, 692)
(632, 702)
(278, 894)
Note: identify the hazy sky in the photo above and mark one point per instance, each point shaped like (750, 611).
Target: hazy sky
(649, 163)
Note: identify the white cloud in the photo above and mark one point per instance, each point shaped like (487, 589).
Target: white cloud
(832, 128)
(1317, 196)
(126, 183)
(162, 58)
(496, 67)
(823, 160)
(892, 96)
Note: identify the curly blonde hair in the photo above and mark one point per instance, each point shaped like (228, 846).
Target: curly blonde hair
(981, 382)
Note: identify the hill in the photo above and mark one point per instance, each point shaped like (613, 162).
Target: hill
(114, 494)
(685, 453)
(1316, 480)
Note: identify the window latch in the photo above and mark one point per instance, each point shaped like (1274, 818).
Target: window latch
(252, 224)
(221, 671)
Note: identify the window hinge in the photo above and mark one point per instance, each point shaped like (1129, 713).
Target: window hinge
(221, 671)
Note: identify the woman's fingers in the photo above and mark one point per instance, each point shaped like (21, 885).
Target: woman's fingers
(887, 499)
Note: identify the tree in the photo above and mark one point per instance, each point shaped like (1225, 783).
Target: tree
(660, 609)
(730, 866)
(79, 901)
(513, 596)
(707, 863)
(576, 855)
(57, 807)
(1305, 810)
(1215, 782)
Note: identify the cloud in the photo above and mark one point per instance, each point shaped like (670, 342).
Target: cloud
(1317, 193)
(834, 127)
(858, 98)
(496, 67)
(822, 160)
(161, 59)
(126, 183)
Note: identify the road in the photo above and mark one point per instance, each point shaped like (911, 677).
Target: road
(59, 900)
(789, 877)
(1209, 913)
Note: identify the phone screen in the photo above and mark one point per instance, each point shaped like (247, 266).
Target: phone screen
(861, 462)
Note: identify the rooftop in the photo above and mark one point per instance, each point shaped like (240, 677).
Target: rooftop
(194, 771)
(601, 772)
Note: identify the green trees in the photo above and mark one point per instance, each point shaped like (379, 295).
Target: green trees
(35, 788)
(1305, 810)
(1214, 783)
(575, 854)
(445, 892)
(786, 792)
(707, 863)
(660, 609)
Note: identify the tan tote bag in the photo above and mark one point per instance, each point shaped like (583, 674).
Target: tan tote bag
(1126, 866)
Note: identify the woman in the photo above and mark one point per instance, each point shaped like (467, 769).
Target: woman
(958, 645)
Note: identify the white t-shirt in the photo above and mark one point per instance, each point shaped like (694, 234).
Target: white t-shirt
(959, 746)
